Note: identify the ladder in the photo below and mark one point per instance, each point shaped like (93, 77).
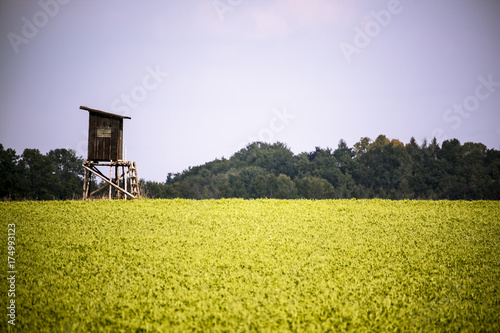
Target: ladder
(134, 181)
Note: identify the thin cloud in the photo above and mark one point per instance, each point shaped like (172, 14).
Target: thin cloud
(315, 13)
(284, 17)
(276, 19)
(269, 24)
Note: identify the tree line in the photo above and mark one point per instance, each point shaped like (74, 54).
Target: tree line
(382, 168)
(57, 175)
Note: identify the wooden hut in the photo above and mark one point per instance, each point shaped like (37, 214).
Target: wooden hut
(105, 135)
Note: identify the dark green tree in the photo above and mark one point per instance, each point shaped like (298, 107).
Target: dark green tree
(68, 170)
(39, 171)
(361, 146)
(314, 188)
(492, 162)
(285, 188)
(11, 174)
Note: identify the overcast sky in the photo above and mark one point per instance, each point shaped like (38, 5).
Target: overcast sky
(203, 78)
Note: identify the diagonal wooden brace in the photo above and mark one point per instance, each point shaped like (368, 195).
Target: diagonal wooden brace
(99, 189)
(99, 174)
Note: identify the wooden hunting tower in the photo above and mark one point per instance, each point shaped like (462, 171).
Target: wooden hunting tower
(105, 148)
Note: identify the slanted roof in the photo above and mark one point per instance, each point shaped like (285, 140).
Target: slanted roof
(104, 113)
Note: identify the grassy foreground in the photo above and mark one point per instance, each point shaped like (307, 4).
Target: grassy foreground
(253, 265)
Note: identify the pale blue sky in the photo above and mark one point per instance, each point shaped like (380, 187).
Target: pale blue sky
(202, 78)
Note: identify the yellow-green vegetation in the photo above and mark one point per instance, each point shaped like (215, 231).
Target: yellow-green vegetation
(254, 265)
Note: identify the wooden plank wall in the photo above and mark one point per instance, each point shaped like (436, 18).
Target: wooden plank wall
(105, 138)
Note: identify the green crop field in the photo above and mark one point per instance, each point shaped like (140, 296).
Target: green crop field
(251, 265)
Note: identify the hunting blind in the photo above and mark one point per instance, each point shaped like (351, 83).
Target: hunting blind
(105, 148)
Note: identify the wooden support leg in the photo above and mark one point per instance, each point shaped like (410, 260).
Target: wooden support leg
(111, 179)
(124, 180)
(117, 193)
(87, 181)
(85, 184)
